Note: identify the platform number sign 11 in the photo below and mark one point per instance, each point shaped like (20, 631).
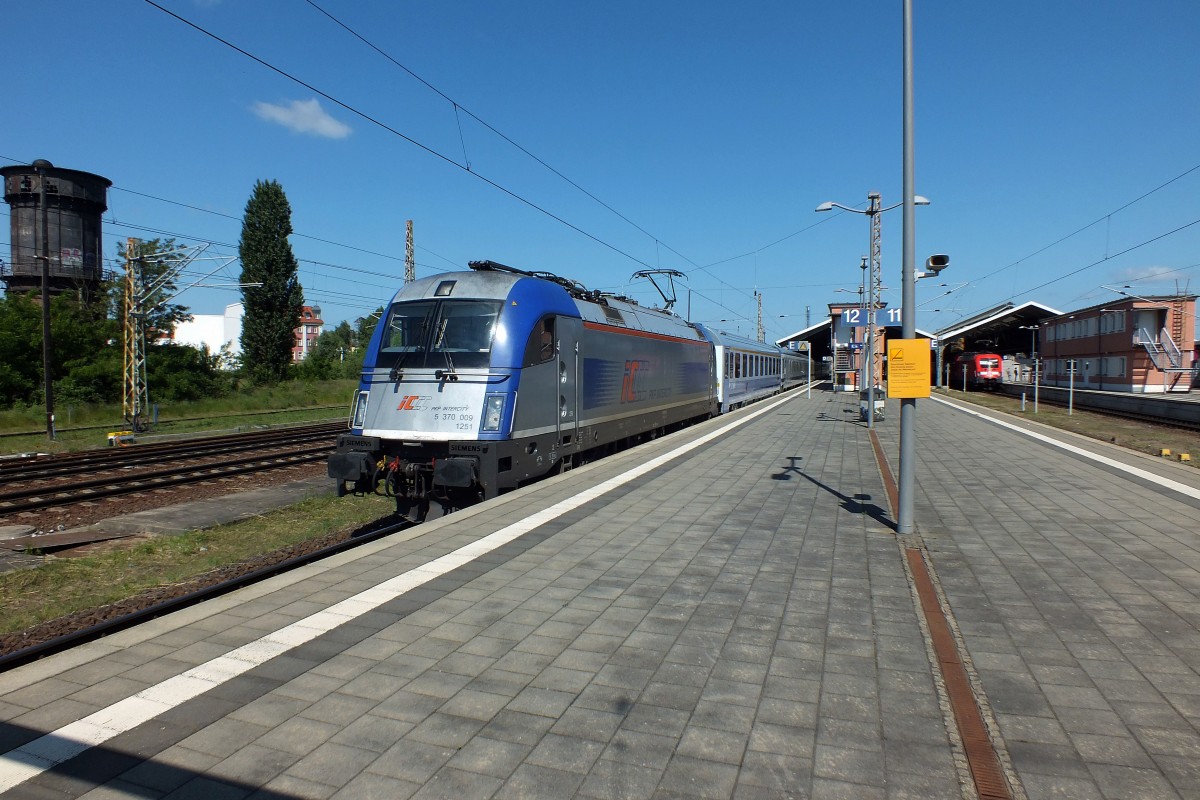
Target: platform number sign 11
(889, 316)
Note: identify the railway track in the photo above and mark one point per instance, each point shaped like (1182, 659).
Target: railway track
(30, 499)
(56, 482)
(42, 466)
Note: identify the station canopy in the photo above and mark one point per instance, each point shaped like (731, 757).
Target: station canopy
(1005, 328)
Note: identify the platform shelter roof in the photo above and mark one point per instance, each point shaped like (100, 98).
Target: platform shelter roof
(995, 322)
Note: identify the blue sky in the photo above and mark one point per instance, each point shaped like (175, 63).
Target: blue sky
(1058, 142)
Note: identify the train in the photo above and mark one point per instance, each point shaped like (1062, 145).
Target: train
(976, 371)
(477, 382)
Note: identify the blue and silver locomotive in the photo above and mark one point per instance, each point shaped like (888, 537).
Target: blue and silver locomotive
(475, 383)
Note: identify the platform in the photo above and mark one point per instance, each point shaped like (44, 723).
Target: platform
(725, 612)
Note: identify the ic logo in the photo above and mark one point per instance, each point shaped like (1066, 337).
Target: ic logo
(633, 383)
(412, 402)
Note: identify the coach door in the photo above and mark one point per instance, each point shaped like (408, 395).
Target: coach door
(569, 333)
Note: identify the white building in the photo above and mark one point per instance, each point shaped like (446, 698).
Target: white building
(220, 330)
(214, 330)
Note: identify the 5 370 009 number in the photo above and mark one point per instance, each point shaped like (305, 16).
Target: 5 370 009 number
(462, 422)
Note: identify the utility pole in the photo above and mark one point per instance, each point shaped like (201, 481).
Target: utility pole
(762, 334)
(410, 259)
(874, 211)
(48, 378)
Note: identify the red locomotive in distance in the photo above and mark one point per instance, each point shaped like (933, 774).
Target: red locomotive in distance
(975, 371)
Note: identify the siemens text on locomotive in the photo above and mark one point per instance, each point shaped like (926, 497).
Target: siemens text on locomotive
(475, 383)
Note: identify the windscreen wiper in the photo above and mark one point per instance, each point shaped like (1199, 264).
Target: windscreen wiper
(440, 343)
(397, 370)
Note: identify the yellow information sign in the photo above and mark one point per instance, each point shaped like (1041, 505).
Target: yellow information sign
(908, 368)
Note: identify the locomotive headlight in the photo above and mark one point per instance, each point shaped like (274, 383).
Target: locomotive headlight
(493, 410)
(360, 410)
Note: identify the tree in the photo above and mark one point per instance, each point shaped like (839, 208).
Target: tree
(272, 308)
(20, 348)
(364, 327)
(83, 366)
(158, 286)
(333, 355)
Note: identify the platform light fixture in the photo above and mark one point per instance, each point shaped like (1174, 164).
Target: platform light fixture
(873, 210)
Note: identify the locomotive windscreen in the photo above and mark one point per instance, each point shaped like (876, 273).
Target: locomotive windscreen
(439, 333)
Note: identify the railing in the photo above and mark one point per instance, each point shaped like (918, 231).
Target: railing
(1153, 348)
(1172, 349)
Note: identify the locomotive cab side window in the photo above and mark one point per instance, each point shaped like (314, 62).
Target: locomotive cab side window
(540, 347)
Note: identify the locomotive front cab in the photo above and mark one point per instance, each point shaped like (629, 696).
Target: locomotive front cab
(432, 421)
(427, 384)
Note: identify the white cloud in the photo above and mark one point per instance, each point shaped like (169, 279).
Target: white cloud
(303, 116)
(1141, 272)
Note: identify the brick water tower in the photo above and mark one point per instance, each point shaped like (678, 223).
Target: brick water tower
(55, 212)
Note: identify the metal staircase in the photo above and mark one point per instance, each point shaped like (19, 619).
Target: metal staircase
(844, 360)
(1166, 358)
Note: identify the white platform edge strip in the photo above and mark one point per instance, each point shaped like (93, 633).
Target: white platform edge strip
(51, 749)
(1166, 483)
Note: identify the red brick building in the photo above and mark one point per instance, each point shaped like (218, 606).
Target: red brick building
(307, 332)
(1133, 344)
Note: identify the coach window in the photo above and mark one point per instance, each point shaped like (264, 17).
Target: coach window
(540, 347)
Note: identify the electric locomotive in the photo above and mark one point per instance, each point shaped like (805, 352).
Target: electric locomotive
(475, 383)
(980, 370)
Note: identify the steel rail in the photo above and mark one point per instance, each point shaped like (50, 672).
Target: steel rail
(68, 494)
(25, 466)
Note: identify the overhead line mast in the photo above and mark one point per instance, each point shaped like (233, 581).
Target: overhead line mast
(410, 259)
(140, 300)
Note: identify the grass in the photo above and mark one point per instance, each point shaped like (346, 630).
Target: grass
(1143, 437)
(86, 428)
(63, 586)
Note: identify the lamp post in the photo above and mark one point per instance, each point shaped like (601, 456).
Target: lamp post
(1033, 334)
(908, 302)
(41, 166)
(873, 210)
